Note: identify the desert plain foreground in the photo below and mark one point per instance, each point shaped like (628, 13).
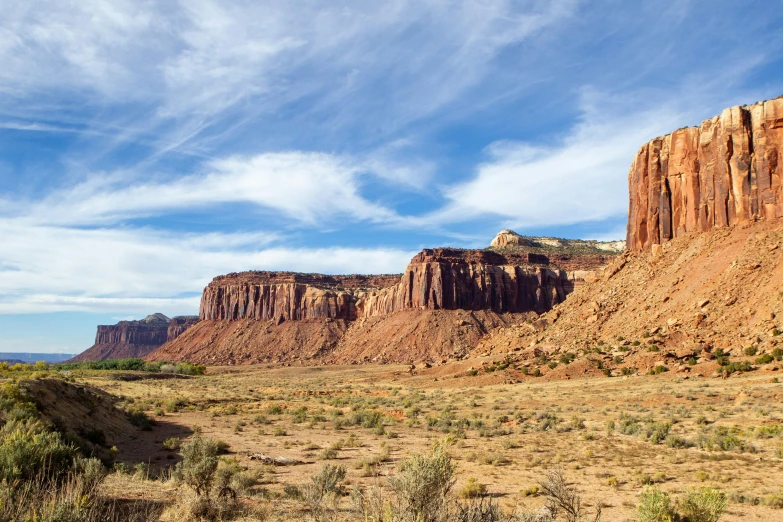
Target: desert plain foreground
(609, 436)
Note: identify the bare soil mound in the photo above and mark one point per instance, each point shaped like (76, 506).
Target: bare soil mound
(688, 299)
(248, 341)
(93, 418)
(418, 335)
(102, 352)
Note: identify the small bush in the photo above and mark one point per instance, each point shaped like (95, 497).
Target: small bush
(654, 506)
(327, 483)
(765, 359)
(422, 485)
(138, 418)
(199, 463)
(773, 500)
(172, 443)
(27, 448)
(472, 489)
(703, 505)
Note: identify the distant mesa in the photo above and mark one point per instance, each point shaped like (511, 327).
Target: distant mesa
(508, 239)
(28, 357)
(441, 305)
(129, 339)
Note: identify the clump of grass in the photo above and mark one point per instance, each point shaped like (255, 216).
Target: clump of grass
(172, 443)
(472, 489)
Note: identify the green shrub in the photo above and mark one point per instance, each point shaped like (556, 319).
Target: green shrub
(567, 358)
(750, 351)
(732, 367)
(172, 443)
(138, 418)
(773, 500)
(174, 404)
(473, 489)
(27, 449)
(199, 463)
(327, 483)
(765, 359)
(703, 505)
(654, 506)
(422, 485)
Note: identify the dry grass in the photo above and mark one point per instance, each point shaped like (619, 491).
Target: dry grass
(610, 436)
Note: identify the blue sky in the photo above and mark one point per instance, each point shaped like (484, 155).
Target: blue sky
(146, 147)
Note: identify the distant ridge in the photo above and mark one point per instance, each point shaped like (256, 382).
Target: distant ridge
(21, 357)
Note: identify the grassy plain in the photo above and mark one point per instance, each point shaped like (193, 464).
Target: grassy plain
(610, 436)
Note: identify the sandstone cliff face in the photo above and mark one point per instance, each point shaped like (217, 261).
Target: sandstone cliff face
(439, 279)
(729, 170)
(446, 300)
(283, 296)
(445, 280)
(178, 325)
(129, 339)
(510, 240)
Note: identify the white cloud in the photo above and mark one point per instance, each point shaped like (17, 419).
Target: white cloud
(310, 188)
(45, 269)
(582, 178)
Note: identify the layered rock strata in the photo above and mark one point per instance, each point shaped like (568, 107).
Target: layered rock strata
(727, 171)
(446, 279)
(284, 296)
(446, 300)
(128, 339)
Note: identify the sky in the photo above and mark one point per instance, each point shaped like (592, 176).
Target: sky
(148, 146)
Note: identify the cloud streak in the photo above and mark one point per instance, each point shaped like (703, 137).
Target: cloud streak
(49, 269)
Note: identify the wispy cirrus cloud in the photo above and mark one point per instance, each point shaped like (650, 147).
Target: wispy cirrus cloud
(308, 188)
(205, 68)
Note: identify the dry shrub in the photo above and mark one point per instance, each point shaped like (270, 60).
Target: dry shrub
(324, 486)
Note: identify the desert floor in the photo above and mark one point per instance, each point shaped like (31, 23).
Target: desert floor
(608, 435)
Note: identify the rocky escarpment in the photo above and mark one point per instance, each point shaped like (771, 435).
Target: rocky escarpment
(439, 279)
(729, 170)
(128, 339)
(254, 317)
(284, 296)
(450, 279)
(508, 239)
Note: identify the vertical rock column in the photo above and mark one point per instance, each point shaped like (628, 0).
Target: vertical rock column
(726, 171)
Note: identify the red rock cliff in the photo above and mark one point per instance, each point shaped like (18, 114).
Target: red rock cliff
(447, 279)
(283, 296)
(128, 339)
(726, 171)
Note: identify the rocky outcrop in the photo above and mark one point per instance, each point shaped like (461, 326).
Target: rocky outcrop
(448, 297)
(178, 325)
(439, 279)
(129, 339)
(285, 296)
(727, 171)
(447, 279)
(508, 239)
